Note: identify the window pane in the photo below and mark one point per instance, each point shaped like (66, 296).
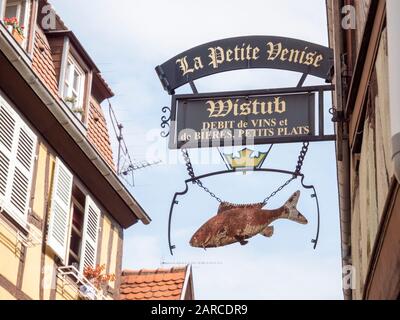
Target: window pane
(73, 262)
(75, 243)
(75, 97)
(68, 72)
(78, 204)
(66, 90)
(77, 219)
(11, 11)
(79, 196)
(21, 17)
(76, 81)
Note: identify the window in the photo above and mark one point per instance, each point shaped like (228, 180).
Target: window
(74, 221)
(78, 212)
(74, 86)
(17, 157)
(18, 9)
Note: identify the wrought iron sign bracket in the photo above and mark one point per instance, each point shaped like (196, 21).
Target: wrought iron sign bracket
(296, 175)
(294, 109)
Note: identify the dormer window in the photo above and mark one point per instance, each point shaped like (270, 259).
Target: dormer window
(74, 70)
(18, 11)
(74, 87)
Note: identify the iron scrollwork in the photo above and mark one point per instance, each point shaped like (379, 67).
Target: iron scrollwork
(165, 119)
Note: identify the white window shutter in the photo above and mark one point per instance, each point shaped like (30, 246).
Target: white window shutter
(7, 133)
(60, 210)
(23, 171)
(17, 157)
(90, 234)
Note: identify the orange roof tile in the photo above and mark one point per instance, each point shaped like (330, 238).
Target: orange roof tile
(98, 133)
(160, 284)
(43, 62)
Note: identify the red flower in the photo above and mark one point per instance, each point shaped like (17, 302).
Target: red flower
(15, 24)
(95, 275)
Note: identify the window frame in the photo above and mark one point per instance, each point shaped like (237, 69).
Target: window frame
(65, 253)
(75, 202)
(69, 82)
(70, 54)
(27, 15)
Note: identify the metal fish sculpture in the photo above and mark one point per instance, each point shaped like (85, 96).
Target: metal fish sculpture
(235, 223)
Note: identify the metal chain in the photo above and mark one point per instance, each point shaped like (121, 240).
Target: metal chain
(189, 165)
(299, 166)
(297, 172)
(192, 175)
(273, 194)
(302, 156)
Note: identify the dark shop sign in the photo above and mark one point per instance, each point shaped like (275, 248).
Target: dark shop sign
(246, 53)
(199, 121)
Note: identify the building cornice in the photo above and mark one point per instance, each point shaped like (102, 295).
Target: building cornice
(22, 65)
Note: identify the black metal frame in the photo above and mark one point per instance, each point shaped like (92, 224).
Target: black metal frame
(319, 137)
(193, 180)
(321, 89)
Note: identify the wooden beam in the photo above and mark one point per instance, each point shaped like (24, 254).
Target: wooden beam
(360, 84)
(383, 279)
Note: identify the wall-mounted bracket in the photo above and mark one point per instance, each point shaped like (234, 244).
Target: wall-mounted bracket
(337, 116)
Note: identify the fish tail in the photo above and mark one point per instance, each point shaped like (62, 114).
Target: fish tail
(291, 205)
(291, 209)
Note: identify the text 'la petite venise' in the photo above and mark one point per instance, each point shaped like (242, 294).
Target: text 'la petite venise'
(275, 52)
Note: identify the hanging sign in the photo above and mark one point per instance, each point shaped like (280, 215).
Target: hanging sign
(246, 53)
(202, 122)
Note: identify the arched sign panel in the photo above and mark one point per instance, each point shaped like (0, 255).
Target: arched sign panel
(253, 52)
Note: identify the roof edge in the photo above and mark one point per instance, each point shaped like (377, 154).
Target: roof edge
(76, 43)
(187, 281)
(142, 272)
(80, 139)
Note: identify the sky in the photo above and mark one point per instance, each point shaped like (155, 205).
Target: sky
(128, 39)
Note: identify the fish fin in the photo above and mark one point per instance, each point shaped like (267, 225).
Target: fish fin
(241, 240)
(268, 232)
(226, 206)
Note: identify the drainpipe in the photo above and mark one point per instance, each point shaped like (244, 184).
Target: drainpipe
(345, 212)
(342, 147)
(393, 27)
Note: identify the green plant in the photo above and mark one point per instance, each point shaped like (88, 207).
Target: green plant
(70, 99)
(15, 24)
(77, 110)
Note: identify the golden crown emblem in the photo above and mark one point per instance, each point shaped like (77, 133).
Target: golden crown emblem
(246, 160)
